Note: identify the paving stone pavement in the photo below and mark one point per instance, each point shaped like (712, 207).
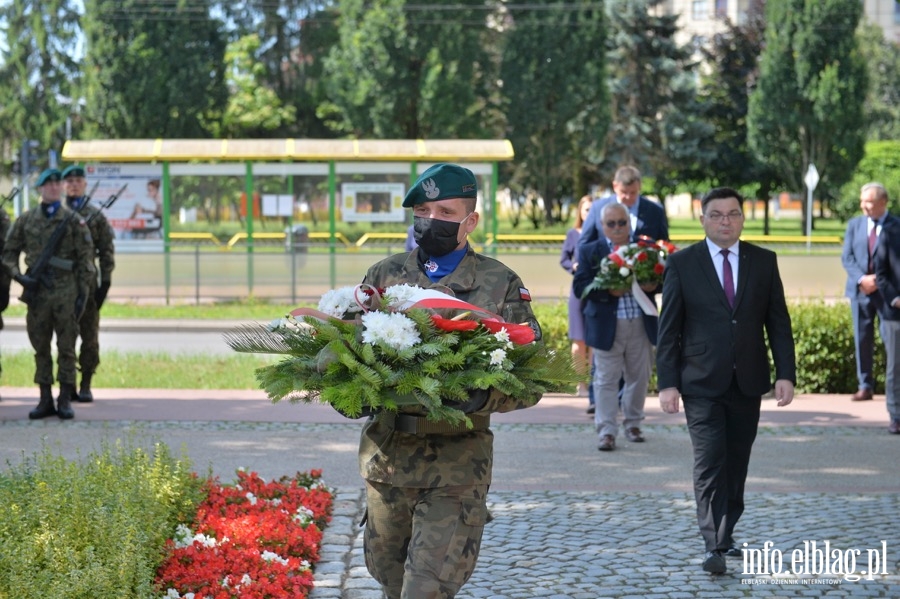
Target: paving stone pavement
(569, 521)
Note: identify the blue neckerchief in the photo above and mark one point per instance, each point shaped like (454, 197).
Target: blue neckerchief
(438, 267)
(50, 209)
(75, 202)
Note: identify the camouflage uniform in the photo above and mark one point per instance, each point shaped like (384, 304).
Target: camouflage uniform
(53, 310)
(427, 492)
(104, 246)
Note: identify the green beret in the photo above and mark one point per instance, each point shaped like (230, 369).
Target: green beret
(50, 174)
(440, 182)
(73, 171)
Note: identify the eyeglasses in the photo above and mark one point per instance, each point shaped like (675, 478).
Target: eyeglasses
(719, 217)
(612, 224)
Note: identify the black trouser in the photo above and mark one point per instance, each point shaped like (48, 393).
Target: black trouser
(722, 432)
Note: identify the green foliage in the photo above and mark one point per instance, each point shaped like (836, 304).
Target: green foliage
(330, 361)
(807, 106)
(558, 107)
(657, 122)
(151, 70)
(91, 528)
(883, 101)
(881, 163)
(823, 340)
(401, 71)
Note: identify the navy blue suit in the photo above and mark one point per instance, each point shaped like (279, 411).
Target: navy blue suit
(651, 221)
(855, 258)
(887, 276)
(600, 307)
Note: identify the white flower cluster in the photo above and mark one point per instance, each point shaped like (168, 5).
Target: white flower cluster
(397, 295)
(269, 556)
(337, 302)
(303, 516)
(244, 581)
(391, 329)
(184, 537)
(498, 356)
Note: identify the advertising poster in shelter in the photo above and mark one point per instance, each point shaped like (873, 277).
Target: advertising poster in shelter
(137, 214)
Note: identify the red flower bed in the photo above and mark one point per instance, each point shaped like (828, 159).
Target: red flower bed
(255, 540)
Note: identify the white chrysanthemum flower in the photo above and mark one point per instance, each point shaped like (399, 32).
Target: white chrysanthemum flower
(183, 536)
(251, 498)
(337, 302)
(624, 271)
(394, 330)
(502, 336)
(208, 542)
(397, 295)
(273, 557)
(497, 357)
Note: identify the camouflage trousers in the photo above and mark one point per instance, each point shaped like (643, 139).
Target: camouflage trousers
(53, 312)
(89, 331)
(423, 543)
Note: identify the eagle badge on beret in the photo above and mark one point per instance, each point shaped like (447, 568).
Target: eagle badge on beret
(431, 189)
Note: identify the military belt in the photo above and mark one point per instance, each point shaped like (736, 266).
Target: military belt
(61, 263)
(419, 425)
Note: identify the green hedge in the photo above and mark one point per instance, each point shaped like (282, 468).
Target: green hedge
(92, 527)
(823, 339)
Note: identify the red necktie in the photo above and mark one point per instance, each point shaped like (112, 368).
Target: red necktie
(727, 278)
(873, 237)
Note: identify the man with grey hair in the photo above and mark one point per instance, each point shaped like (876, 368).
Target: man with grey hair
(857, 257)
(619, 333)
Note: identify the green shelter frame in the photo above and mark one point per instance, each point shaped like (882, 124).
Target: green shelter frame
(281, 157)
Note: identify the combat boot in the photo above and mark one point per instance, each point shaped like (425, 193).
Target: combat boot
(45, 406)
(64, 401)
(84, 394)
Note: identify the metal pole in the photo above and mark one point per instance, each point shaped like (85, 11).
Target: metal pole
(809, 208)
(197, 274)
(332, 223)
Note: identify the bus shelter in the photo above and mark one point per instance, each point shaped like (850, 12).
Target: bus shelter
(361, 181)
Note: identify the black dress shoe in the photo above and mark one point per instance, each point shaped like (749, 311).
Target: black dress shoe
(714, 563)
(591, 409)
(733, 551)
(894, 428)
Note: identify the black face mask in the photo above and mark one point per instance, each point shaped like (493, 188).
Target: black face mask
(436, 237)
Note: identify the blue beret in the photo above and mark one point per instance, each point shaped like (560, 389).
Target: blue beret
(73, 171)
(50, 174)
(440, 182)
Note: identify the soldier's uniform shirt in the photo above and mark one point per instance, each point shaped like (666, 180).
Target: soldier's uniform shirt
(53, 310)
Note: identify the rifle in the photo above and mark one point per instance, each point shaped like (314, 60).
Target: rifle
(39, 273)
(109, 202)
(12, 193)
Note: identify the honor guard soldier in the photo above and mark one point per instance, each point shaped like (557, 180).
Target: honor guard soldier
(104, 247)
(59, 260)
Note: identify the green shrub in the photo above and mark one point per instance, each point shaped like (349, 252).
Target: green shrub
(91, 528)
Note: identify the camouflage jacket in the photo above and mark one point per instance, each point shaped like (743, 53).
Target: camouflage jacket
(438, 460)
(30, 234)
(103, 237)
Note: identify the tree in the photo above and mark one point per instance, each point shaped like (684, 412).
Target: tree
(807, 106)
(37, 73)
(152, 70)
(555, 94)
(409, 72)
(881, 163)
(657, 122)
(883, 101)
(253, 110)
(733, 61)
(294, 37)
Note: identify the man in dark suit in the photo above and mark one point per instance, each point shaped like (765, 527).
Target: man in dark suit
(887, 278)
(619, 332)
(721, 299)
(647, 217)
(865, 300)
